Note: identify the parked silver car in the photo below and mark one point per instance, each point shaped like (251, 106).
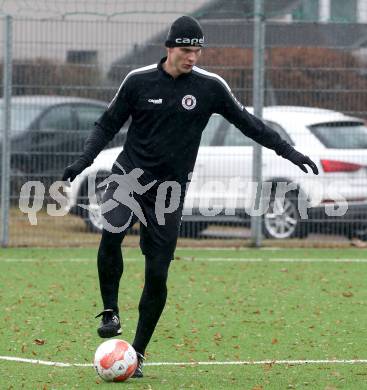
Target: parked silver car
(48, 133)
(336, 142)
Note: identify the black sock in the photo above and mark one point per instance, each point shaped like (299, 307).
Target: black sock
(110, 268)
(152, 301)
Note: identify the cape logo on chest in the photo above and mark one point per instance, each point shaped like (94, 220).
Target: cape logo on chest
(155, 101)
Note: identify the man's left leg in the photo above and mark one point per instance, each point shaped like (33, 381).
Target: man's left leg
(158, 244)
(151, 305)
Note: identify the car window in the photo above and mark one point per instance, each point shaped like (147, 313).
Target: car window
(341, 135)
(228, 134)
(22, 116)
(57, 118)
(234, 137)
(213, 130)
(87, 115)
(279, 129)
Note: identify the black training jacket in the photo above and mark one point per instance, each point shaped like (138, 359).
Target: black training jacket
(168, 117)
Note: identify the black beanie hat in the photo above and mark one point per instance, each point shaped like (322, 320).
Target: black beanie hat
(185, 31)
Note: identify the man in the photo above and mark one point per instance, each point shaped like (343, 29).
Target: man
(170, 104)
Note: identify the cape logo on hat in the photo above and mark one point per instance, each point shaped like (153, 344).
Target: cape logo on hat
(189, 102)
(191, 42)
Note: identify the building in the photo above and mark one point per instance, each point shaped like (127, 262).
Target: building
(117, 34)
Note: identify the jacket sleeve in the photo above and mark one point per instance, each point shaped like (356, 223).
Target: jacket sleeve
(251, 126)
(109, 124)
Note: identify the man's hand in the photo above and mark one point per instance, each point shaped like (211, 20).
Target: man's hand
(301, 160)
(73, 170)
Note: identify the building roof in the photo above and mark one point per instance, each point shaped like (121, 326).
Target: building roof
(239, 33)
(233, 9)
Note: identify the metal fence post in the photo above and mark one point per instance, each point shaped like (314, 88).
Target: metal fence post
(6, 125)
(258, 99)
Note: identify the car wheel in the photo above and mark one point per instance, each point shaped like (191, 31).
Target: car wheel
(17, 179)
(92, 216)
(359, 232)
(189, 229)
(92, 213)
(282, 220)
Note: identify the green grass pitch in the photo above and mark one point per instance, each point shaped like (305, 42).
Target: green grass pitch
(223, 306)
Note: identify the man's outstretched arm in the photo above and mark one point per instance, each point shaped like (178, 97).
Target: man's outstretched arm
(253, 127)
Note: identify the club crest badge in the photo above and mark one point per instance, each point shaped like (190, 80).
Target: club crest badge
(189, 102)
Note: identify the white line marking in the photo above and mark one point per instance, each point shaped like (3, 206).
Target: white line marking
(71, 260)
(211, 363)
(193, 259)
(43, 362)
(259, 362)
(30, 260)
(319, 260)
(280, 260)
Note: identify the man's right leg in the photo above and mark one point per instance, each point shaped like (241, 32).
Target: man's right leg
(110, 263)
(110, 269)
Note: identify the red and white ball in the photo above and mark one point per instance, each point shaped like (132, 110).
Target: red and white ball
(115, 360)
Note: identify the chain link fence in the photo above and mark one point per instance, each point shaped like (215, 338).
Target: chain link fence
(69, 58)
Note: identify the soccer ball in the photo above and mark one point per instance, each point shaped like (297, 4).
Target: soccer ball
(115, 360)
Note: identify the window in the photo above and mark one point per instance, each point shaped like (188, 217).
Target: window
(343, 11)
(234, 137)
(336, 10)
(87, 115)
(81, 56)
(308, 10)
(341, 135)
(216, 126)
(279, 129)
(22, 116)
(57, 118)
(219, 132)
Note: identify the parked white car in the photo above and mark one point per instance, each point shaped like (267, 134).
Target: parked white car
(335, 142)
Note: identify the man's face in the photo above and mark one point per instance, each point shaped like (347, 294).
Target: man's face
(183, 58)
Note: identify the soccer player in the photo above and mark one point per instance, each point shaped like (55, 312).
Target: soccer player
(170, 104)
